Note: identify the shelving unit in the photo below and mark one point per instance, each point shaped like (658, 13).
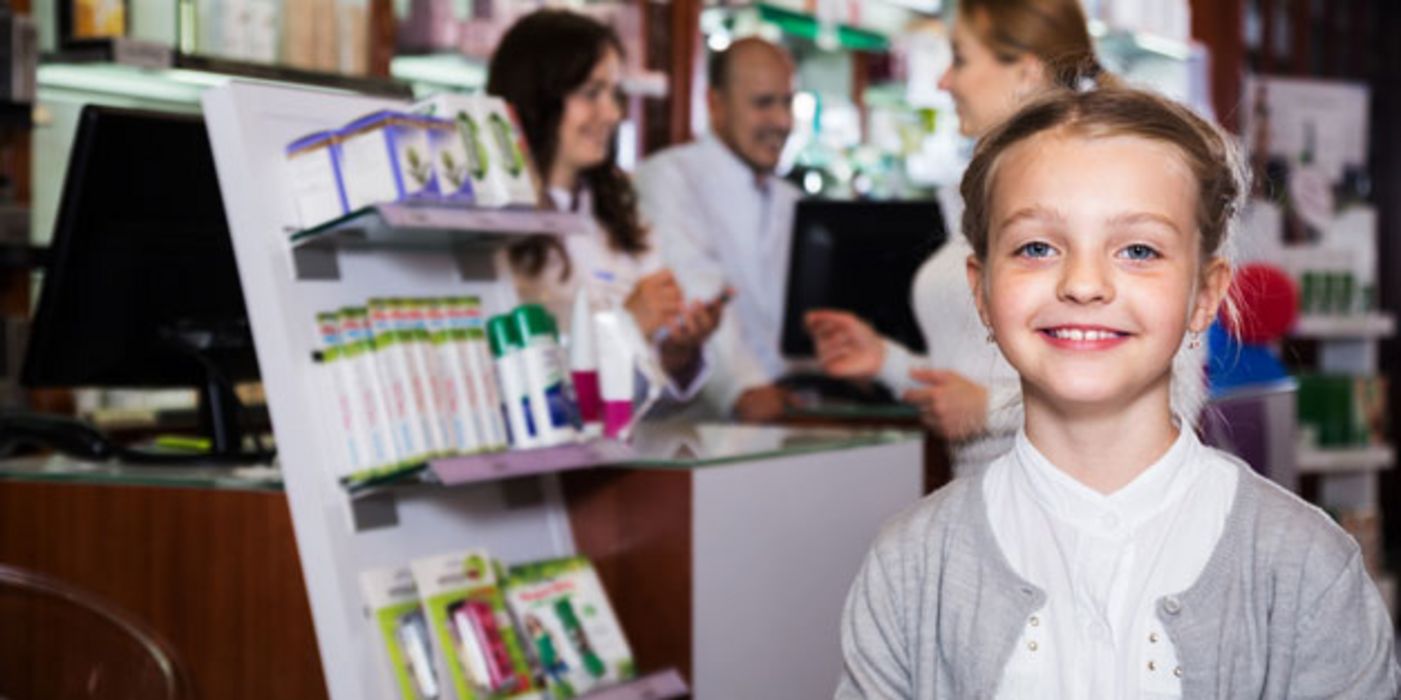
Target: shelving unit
(1370, 326)
(425, 228)
(1350, 460)
(713, 522)
(494, 466)
(149, 56)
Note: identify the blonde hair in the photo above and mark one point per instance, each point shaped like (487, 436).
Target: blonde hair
(1211, 156)
(1214, 160)
(1056, 32)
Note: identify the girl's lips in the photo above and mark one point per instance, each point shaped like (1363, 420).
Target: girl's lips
(1083, 337)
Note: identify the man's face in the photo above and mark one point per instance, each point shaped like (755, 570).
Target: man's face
(753, 114)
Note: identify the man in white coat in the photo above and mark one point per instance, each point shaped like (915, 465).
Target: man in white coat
(724, 219)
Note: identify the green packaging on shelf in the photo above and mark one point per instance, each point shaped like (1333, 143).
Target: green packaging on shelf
(555, 414)
(471, 626)
(569, 625)
(452, 161)
(501, 170)
(455, 390)
(369, 395)
(427, 375)
(469, 339)
(338, 387)
(397, 616)
(386, 157)
(1343, 410)
(506, 351)
(392, 360)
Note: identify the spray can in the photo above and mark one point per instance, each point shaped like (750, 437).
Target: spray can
(506, 349)
(552, 406)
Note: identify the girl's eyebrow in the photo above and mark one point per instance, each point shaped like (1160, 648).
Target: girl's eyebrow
(1033, 213)
(1142, 217)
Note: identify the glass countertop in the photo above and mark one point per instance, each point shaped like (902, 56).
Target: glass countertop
(66, 469)
(673, 445)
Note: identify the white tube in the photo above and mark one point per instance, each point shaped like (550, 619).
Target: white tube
(583, 361)
(615, 372)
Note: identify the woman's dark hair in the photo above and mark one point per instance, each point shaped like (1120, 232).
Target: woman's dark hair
(542, 58)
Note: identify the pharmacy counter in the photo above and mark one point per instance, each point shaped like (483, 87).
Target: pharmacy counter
(713, 539)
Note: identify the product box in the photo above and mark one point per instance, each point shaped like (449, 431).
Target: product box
(368, 393)
(569, 625)
(396, 613)
(385, 157)
(452, 162)
(498, 160)
(472, 628)
(313, 173)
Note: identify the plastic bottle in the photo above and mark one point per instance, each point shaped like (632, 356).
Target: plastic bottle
(551, 398)
(506, 350)
(583, 362)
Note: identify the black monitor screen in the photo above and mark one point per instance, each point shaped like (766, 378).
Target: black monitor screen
(141, 253)
(859, 257)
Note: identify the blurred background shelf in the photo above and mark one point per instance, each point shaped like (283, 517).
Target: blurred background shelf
(1370, 458)
(1372, 325)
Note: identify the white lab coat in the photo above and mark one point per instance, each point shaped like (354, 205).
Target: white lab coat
(719, 224)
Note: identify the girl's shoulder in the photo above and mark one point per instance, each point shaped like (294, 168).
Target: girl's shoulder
(925, 529)
(1280, 529)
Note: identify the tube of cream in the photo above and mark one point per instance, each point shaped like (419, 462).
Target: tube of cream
(615, 372)
(583, 361)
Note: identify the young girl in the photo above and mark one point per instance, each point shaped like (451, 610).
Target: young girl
(1005, 53)
(561, 71)
(1109, 554)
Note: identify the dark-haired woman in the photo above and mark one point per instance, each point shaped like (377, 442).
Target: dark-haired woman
(561, 71)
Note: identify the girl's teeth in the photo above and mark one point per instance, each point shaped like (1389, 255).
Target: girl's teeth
(1077, 335)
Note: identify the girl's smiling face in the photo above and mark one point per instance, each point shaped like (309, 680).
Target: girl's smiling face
(1093, 272)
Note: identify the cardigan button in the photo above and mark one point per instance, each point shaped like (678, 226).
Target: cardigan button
(1171, 605)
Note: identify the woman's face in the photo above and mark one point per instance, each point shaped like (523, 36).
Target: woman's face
(591, 115)
(986, 90)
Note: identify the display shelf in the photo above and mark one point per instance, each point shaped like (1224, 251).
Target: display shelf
(492, 466)
(149, 56)
(419, 226)
(1372, 325)
(415, 226)
(1135, 45)
(667, 445)
(1315, 460)
(661, 685)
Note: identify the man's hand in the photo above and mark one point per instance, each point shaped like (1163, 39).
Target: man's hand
(762, 404)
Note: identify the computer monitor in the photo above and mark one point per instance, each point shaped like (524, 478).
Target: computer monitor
(142, 289)
(860, 257)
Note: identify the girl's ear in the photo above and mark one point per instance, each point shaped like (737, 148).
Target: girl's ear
(1216, 283)
(975, 283)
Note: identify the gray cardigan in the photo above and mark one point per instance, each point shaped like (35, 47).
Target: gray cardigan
(1283, 609)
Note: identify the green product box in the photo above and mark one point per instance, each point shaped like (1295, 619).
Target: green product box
(569, 625)
(471, 627)
(392, 603)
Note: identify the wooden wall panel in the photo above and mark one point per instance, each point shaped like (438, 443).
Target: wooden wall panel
(215, 573)
(635, 524)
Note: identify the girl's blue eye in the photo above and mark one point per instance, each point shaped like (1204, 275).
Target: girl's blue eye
(1035, 249)
(1140, 251)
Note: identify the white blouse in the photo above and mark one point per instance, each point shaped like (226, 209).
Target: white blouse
(609, 276)
(1104, 561)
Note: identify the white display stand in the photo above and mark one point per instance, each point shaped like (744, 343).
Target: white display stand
(762, 546)
(337, 537)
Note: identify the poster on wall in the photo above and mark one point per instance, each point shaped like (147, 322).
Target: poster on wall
(1312, 213)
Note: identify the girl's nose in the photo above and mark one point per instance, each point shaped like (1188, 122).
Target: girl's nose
(1084, 280)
